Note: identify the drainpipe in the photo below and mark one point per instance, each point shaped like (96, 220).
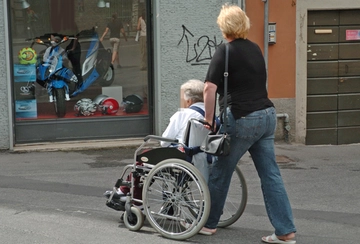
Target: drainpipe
(285, 116)
(266, 35)
(241, 3)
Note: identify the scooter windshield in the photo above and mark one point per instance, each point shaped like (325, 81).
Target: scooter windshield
(51, 64)
(47, 68)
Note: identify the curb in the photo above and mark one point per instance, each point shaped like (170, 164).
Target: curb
(79, 145)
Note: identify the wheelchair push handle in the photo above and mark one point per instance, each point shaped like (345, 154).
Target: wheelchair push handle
(160, 138)
(205, 123)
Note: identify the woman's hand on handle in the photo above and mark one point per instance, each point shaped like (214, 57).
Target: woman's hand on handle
(209, 101)
(208, 125)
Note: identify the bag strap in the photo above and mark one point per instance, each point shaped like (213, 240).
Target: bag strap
(226, 74)
(202, 112)
(197, 109)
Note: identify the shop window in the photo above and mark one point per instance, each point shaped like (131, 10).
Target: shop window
(75, 78)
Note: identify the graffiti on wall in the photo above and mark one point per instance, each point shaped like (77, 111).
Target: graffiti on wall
(199, 50)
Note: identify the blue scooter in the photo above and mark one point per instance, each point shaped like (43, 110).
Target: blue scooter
(60, 81)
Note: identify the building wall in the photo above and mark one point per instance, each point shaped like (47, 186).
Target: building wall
(281, 56)
(302, 7)
(4, 96)
(185, 35)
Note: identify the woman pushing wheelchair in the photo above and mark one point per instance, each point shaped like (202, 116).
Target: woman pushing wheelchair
(251, 124)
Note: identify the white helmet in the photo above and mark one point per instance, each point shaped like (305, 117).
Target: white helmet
(97, 100)
(85, 106)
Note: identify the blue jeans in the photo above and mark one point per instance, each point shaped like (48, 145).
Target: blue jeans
(253, 133)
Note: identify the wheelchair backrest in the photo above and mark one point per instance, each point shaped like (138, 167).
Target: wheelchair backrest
(195, 133)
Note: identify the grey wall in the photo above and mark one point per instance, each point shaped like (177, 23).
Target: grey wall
(182, 54)
(4, 99)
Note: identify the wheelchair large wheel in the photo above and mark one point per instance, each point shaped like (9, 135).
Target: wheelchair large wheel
(236, 199)
(176, 199)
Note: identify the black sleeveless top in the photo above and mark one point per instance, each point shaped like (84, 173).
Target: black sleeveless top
(247, 77)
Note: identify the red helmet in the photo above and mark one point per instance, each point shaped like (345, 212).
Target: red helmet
(109, 106)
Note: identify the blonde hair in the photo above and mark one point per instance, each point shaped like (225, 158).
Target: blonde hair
(193, 90)
(233, 22)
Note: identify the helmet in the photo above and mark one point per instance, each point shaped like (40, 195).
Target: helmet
(133, 103)
(109, 106)
(57, 39)
(99, 99)
(85, 106)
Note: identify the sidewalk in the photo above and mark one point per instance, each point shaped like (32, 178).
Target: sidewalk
(61, 195)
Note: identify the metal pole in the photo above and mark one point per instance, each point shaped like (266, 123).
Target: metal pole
(241, 3)
(266, 35)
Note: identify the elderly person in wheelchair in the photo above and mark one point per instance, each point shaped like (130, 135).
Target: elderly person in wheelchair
(179, 127)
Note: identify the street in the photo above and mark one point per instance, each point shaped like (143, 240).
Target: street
(56, 197)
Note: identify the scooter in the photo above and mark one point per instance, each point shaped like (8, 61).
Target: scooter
(60, 81)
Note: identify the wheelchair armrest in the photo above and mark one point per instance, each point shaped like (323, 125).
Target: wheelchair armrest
(160, 138)
(156, 155)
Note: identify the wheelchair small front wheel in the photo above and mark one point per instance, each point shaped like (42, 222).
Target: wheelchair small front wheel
(135, 221)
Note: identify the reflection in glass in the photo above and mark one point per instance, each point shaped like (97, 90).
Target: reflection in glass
(101, 4)
(89, 72)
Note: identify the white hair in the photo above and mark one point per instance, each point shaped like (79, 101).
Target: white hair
(193, 90)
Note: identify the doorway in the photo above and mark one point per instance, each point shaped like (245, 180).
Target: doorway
(333, 77)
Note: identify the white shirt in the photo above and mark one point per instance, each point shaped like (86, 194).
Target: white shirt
(142, 27)
(178, 123)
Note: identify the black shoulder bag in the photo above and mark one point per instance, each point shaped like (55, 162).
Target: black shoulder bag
(215, 143)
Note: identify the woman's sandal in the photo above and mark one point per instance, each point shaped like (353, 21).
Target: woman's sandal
(203, 231)
(273, 239)
(207, 231)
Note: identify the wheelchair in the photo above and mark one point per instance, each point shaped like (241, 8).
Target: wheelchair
(173, 193)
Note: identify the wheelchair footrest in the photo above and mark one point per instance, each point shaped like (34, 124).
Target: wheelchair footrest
(118, 206)
(121, 182)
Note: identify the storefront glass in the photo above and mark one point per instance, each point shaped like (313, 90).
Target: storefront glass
(65, 64)
(52, 87)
